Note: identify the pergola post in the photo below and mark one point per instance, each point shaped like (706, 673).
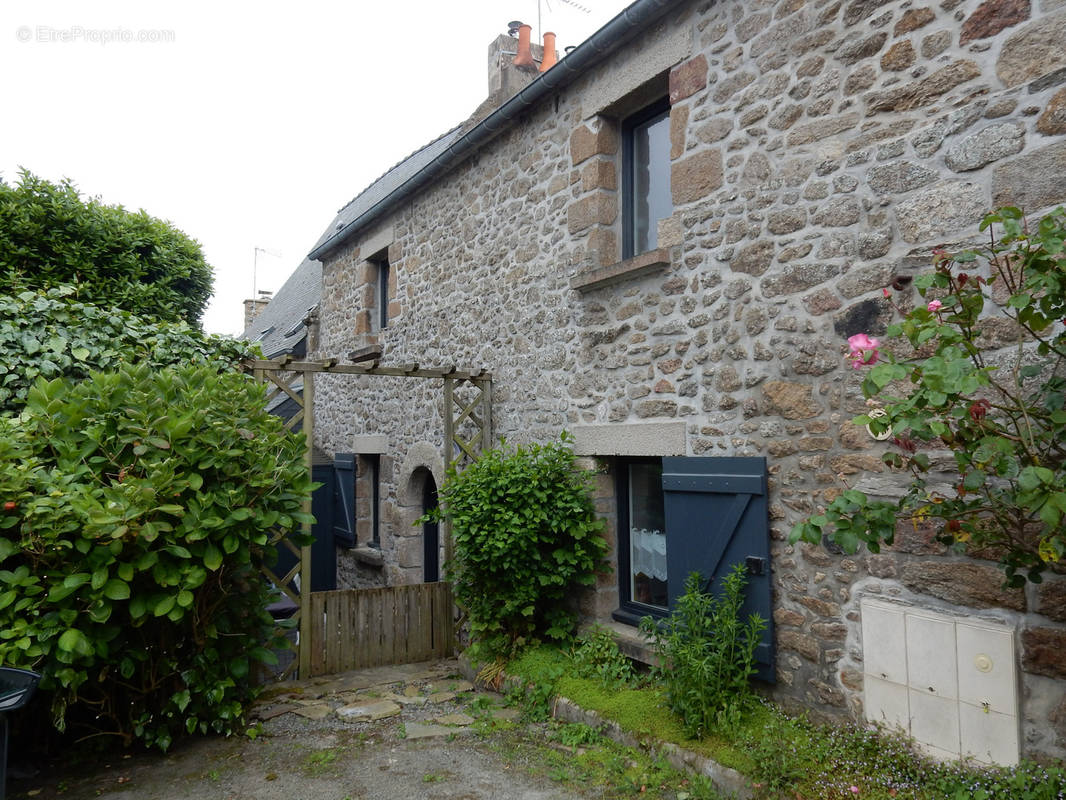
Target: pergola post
(305, 526)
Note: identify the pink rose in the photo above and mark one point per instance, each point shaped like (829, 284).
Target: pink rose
(863, 350)
(934, 306)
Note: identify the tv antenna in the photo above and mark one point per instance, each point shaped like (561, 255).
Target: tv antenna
(255, 265)
(571, 3)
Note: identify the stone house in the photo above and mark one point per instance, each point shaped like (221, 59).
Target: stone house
(661, 244)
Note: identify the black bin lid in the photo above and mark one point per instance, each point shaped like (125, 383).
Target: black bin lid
(16, 687)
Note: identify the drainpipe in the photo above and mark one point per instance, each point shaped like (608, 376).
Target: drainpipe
(548, 60)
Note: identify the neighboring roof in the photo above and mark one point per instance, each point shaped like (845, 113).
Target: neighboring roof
(441, 155)
(396, 176)
(280, 328)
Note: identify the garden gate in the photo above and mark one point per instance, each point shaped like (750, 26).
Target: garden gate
(467, 433)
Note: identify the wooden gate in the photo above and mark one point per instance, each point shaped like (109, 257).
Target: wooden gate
(356, 628)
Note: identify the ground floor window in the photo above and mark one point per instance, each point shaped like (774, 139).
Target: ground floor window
(680, 515)
(646, 526)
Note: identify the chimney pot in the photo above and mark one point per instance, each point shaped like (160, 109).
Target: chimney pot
(524, 57)
(549, 58)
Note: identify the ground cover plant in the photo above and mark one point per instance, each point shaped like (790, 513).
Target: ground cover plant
(526, 536)
(785, 756)
(136, 509)
(942, 382)
(50, 236)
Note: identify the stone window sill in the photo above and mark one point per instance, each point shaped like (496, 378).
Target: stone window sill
(371, 556)
(636, 267)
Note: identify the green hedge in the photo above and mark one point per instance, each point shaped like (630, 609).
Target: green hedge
(135, 507)
(49, 334)
(50, 235)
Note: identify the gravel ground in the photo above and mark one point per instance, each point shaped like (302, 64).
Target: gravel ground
(328, 758)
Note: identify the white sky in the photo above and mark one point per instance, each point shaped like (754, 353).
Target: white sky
(256, 121)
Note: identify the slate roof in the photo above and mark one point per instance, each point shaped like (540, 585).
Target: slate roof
(393, 179)
(279, 328)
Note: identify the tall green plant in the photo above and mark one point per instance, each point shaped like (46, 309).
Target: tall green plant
(707, 653)
(526, 536)
(135, 510)
(1000, 413)
(50, 235)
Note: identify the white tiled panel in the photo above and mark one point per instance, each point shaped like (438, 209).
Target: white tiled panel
(988, 736)
(949, 682)
(935, 720)
(931, 665)
(884, 641)
(886, 703)
(986, 667)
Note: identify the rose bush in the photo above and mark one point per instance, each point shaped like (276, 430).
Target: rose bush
(945, 388)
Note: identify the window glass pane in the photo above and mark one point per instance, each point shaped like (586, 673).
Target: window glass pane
(647, 535)
(651, 181)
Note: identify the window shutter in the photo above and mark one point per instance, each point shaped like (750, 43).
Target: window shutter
(717, 516)
(344, 499)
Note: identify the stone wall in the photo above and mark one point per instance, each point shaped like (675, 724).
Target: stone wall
(818, 151)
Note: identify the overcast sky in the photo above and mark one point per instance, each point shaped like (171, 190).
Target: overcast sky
(246, 124)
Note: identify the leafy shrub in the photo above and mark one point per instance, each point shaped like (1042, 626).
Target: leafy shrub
(707, 654)
(136, 506)
(526, 536)
(596, 656)
(49, 335)
(1003, 419)
(50, 236)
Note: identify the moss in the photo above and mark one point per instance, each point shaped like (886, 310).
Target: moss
(644, 713)
(641, 711)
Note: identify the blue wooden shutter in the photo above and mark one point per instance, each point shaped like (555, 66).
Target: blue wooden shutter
(344, 499)
(716, 516)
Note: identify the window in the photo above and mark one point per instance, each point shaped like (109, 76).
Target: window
(379, 315)
(682, 515)
(645, 177)
(369, 499)
(641, 515)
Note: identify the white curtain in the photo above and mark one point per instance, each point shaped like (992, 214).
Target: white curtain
(648, 554)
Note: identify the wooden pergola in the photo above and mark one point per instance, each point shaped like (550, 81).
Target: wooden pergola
(467, 433)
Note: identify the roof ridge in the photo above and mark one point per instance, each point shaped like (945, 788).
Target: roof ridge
(399, 163)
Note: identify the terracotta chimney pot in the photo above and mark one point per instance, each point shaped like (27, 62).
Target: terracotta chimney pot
(524, 56)
(549, 59)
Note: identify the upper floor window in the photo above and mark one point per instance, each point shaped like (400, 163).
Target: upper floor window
(645, 177)
(379, 315)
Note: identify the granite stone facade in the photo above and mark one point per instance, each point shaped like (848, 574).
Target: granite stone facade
(818, 150)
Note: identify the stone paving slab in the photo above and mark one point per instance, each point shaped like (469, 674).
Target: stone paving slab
(425, 730)
(320, 711)
(373, 711)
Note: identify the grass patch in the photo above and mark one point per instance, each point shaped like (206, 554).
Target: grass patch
(578, 759)
(786, 755)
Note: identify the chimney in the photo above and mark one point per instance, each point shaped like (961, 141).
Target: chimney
(506, 77)
(550, 57)
(524, 55)
(254, 307)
